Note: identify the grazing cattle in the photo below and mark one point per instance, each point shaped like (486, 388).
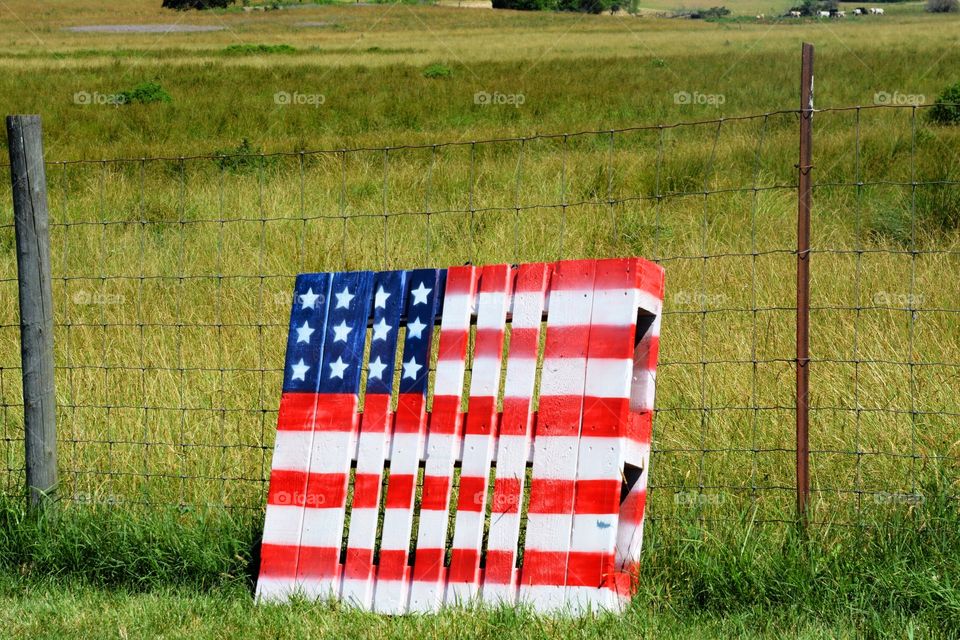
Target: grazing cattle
(858, 12)
(824, 14)
(877, 11)
(839, 14)
(794, 14)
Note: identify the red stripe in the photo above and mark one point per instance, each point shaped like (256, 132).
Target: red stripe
(411, 413)
(551, 496)
(359, 565)
(631, 511)
(496, 278)
(524, 342)
(597, 497)
(400, 489)
(278, 560)
(590, 569)
(453, 345)
(517, 419)
(507, 497)
(314, 490)
(499, 567)
(556, 568)
(296, 411)
(392, 565)
(473, 493)
(464, 566)
(559, 416)
(649, 351)
(488, 343)
(376, 413)
(605, 417)
(446, 418)
(462, 280)
(366, 491)
(288, 561)
(533, 277)
(573, 274)
(436, 493)
(482, 417)
(428, 565)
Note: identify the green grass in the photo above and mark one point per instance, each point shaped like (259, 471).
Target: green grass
(110, 571)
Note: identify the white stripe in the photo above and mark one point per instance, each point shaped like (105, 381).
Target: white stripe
(594, 532)
(449, 378)
(575, 305)
(503, 536)
(322, 527)
(493, 301)
(291, 450)
(282, 524)
(499, 594)
(486, 377)
(457, 309)
(394, 539)
(390, 596)
(555, 457)
(363, 528)
(548, 532)
(331, 452)
(521, 373)
(543, 598)
(527, 310)
(562, 376)
(433, 530)
(608, 377)
(599, 458)
(462, 594)
(469, 526)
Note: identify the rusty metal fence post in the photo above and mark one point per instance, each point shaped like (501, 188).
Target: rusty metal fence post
(804, 197)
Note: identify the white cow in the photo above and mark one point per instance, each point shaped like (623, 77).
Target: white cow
(824, 14)
(877, 11)
(858, 12)
(840, 14)
(794, 14)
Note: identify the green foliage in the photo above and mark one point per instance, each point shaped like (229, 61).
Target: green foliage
(943, 6)
(257, 49)
(183, 5)
(145, 93)
(946, 109)
(584, 6)
(243, 158)
(437, 70)
(111, 546)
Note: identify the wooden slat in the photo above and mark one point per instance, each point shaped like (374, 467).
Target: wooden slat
(427, 588)
(391, 592)
(389, 305)
(463, 580)
(516, 434)
(283, 522)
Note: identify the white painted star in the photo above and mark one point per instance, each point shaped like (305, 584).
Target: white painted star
(300, 371)
(341, 331)
(308, 299)
(337, 368)
(411, 368)
(377, 367)
(415, 329)
(380, 299)
(304, 332)
(380, 330)
(344, 298)
(420, 294)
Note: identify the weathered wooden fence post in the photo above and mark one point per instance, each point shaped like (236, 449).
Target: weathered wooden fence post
(30, 214)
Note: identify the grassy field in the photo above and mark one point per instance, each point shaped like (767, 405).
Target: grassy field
(173, 275)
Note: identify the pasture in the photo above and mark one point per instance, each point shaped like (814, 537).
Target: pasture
(172, 270)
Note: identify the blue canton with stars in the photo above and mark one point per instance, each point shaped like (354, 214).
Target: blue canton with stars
(328, 330)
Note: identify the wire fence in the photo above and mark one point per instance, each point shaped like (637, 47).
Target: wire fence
(173, 276)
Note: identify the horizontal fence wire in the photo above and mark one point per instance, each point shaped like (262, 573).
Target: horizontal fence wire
(173, 280)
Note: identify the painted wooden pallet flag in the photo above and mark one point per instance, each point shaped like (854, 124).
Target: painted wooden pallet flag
(522, 483)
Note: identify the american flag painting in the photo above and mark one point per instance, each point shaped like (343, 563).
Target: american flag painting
(471, 434)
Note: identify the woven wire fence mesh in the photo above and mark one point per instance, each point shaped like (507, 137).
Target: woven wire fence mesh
(173, 277)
